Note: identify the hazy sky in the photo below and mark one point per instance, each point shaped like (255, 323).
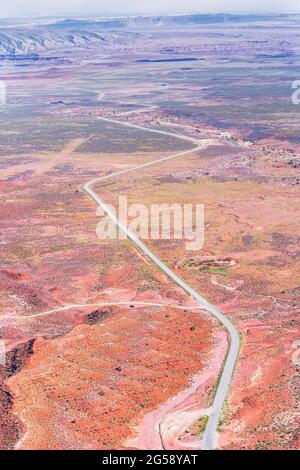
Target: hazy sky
(10, 8)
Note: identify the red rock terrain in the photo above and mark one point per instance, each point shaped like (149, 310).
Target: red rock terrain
(87, 388)
(83, 372)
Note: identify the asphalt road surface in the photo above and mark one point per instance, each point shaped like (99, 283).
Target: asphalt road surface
(210, 433)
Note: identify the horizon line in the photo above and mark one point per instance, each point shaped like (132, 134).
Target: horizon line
(78, 15)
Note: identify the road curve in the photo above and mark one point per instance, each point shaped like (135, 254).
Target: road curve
(210, 433)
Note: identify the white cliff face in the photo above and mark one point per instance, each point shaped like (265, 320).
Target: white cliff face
(35, 38)
(17, 43)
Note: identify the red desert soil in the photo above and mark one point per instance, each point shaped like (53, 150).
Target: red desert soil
(263, 405)
(89, 388)
(175, 424)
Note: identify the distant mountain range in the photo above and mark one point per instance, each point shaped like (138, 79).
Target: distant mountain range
(41, 35)
(169, 20)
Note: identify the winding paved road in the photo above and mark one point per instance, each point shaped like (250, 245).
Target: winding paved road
(210, 433)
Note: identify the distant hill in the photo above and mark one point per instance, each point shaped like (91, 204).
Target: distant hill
(169, 20)
(38, 35)
(20, 42)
